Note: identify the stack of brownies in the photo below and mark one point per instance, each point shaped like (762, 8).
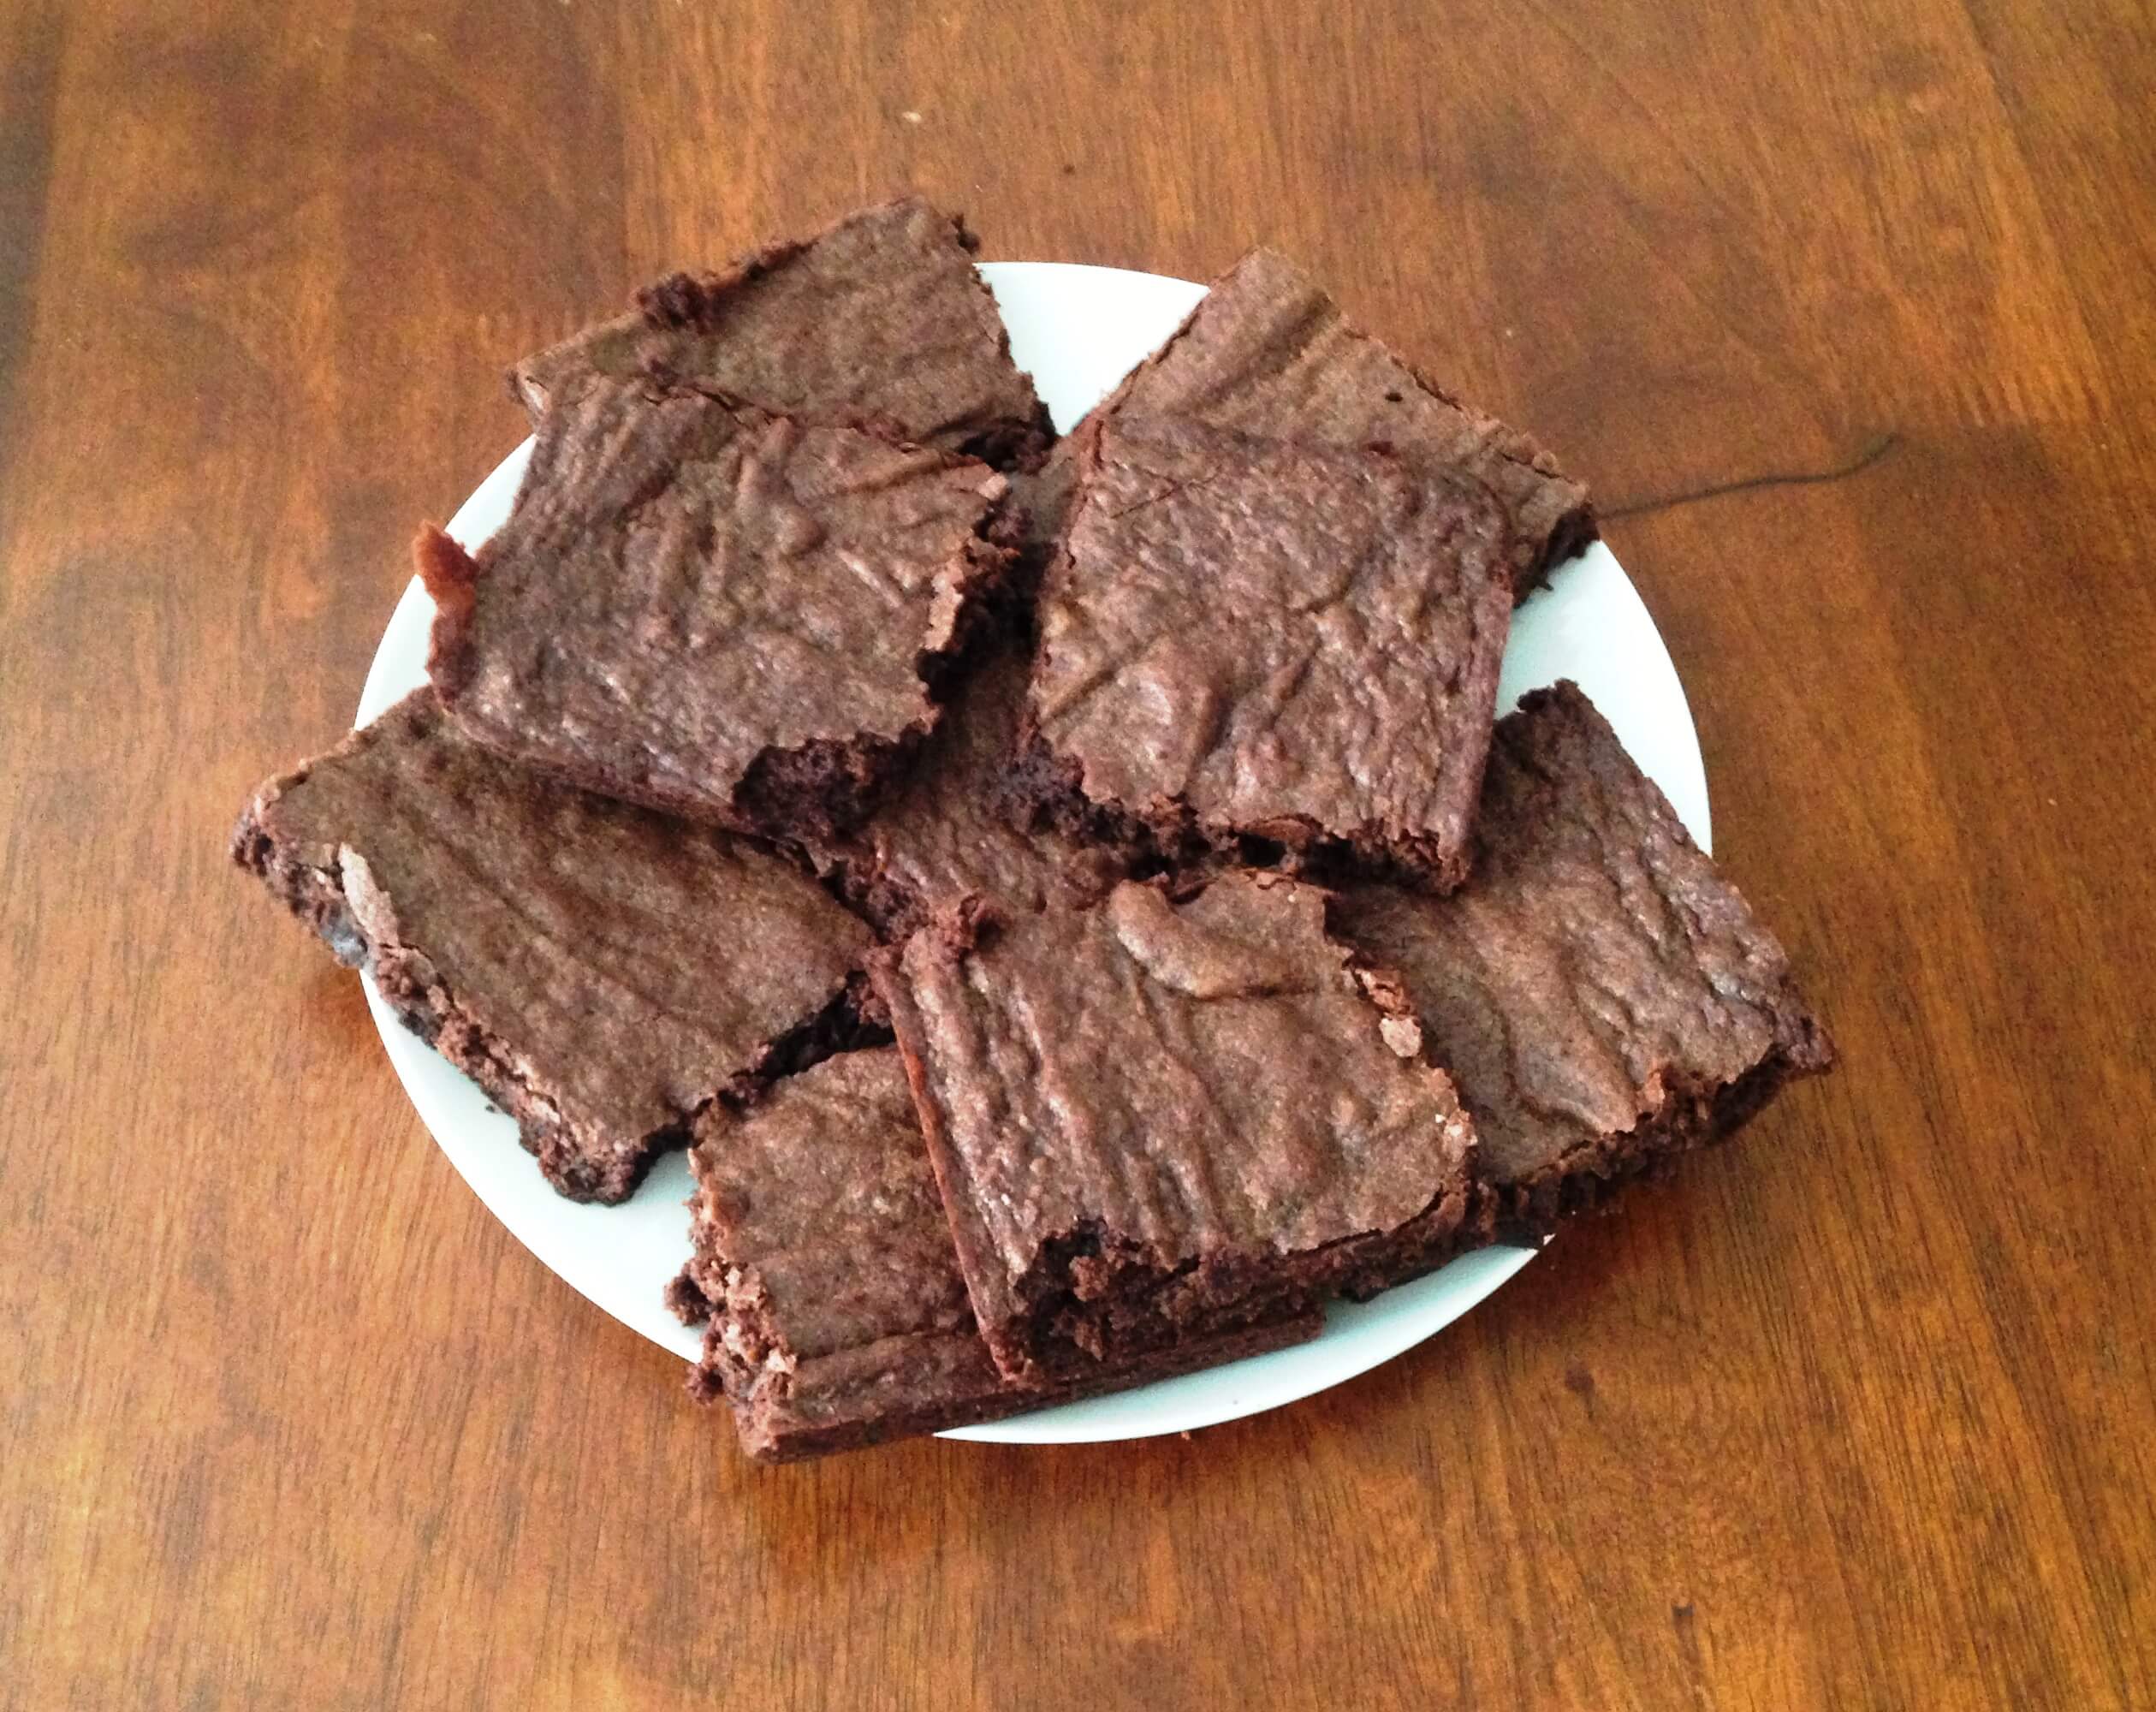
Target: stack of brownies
(1075, 898)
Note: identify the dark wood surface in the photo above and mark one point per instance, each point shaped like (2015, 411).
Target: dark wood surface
(1848, 313)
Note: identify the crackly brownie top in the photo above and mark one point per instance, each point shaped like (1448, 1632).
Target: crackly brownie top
(942, 832)
(1279, 638)
(630, 963)
(1268, 351)
(1185, 1079)
(825, 1261)
(687, 584)
(880, 315)
(817, 1220)
(1598, 966)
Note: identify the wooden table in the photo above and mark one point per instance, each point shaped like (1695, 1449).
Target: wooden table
(1849, 316)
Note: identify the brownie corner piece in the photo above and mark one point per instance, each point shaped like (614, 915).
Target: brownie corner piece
(1153, 1121)
(710, 610)
(513, 924)
(1602, 995)
(880, 315)
(821, 1266)
(1251, 644)
(1268, 350)
(836, 1313)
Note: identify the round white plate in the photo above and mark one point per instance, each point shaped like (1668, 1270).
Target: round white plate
(1080, 329)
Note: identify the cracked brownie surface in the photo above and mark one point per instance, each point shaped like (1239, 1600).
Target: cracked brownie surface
(880, 315)
(1152, 1120)
(602, 972)
(1266, 350)
(705, 607)
(1246, 637)
(1601, 995)
(837, 1314)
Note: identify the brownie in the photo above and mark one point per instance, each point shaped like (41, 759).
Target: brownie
(1602, 996)
(1247, 638)
(1151, 1122)
(707, 609)
(838, 1315)
(881, 315)
(1267, 351)
(949, 827)
(602, 972)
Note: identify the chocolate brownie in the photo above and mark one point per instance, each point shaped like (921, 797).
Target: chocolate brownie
(1268, 352)
(838, 1315)
(881, 315)
(948, 829)
(706, 609)
(602, 972)
(1152, 1120)
(1603, 997)
(1253, 639)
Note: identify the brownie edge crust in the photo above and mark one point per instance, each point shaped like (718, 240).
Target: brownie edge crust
(602, 972)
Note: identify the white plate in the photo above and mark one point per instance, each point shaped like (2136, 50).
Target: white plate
(1079, 330)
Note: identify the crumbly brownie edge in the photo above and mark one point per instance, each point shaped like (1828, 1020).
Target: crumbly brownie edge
(821, 788)
(1572, 534)
(1131, 1308)
(986, 592)
(1461, 1217)
(1015, 448)
(1044, 791)
(1692, 1116)
(684, 1298)
(772, 1429)
(895, 910)
(575, 1158)
(743, 1354)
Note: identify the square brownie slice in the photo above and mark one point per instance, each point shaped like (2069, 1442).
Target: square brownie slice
(1602, 996)
(838, 1316)
(881, 315)
(1245, 638)
(1268, 352)
(603, 973)
(1153, 1120)
(949, 827)
(710, 610)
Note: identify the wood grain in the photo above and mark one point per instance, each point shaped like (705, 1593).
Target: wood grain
(1859, 1414)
